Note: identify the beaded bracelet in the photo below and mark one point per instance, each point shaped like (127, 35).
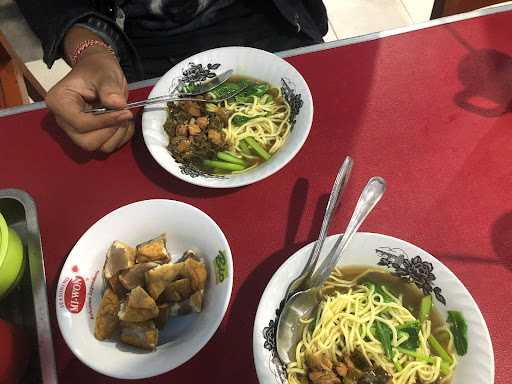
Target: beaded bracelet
(84, 45)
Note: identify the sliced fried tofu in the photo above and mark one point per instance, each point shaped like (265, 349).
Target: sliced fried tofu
(153, 250)
(159, 278)
(189, 253)
(119, 256)
(196, 272)
(196, 301)
(106, 318)
(116, 286)
(140, 307)
(143, 335)
(163, 316)
(193, 304)
(178, 290)
(136, 275)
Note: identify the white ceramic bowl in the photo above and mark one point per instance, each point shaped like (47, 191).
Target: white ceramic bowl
(80, 287)
(244, 61)
(477, 366)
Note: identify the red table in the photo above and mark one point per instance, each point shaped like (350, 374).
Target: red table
(428, 110)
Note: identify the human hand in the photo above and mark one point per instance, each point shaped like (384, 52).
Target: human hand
(96, 79)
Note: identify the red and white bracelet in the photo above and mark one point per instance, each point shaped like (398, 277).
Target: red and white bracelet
(84, 46)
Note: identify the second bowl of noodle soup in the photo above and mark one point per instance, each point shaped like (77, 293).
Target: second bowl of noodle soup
(370, 326)
(237, 141)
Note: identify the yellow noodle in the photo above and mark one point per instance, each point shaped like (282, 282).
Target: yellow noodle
(345, 323)
(269, 122)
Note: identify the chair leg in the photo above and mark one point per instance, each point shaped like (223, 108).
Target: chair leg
(16, 81)
(13, 91)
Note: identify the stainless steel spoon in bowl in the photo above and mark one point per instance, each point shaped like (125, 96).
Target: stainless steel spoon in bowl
(337, 190)
(304, 304)
(197, 90)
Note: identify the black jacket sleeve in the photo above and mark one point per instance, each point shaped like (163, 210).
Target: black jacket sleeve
(51, 19)
(308, 16)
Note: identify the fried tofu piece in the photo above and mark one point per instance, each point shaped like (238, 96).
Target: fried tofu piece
(136, 275)
(140, 307)
(106, 318)
(196, 301)
(193, 304)
(119, 256)
(153, 250)
(178, 290)
(159, 278)
(116, 286)
(196, 272)
(163, 316)
(143, 335)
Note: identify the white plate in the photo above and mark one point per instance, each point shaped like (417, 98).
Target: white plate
(477, 366)
(81, 284)
(244, 61)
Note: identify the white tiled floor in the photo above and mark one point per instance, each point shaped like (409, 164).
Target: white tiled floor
(418, 10)
(358, 17)
(347, 18)
(48, 77)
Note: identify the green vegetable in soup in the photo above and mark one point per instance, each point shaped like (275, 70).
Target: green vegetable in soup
(381, 290)
(224, 90)
(258, 89)
(438, 349)
(260, 151)
(239, 120)
(445, 367)
(412, 330)
(384, 335)
(245, 148)
(226, 156)
(459, 329)
(425, 308)
(223, 165)
(253, 90)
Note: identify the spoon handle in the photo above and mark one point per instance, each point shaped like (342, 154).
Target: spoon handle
(370, 196)
(162, 99)
(140, 103)
(337, 190)
(172, 96)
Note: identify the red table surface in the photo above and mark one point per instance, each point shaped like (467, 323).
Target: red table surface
(400, 106)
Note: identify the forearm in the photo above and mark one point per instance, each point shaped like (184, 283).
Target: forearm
(75, 36)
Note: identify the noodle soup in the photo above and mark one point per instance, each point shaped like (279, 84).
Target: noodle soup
(373, 327)
(233, 136)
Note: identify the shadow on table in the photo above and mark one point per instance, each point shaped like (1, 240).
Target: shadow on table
(501, 235)
(486, 75)
(71, 150)
(238, 343)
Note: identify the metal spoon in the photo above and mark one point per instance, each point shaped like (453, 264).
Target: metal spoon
(198, 90)
(337, 190)
(304, 304)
